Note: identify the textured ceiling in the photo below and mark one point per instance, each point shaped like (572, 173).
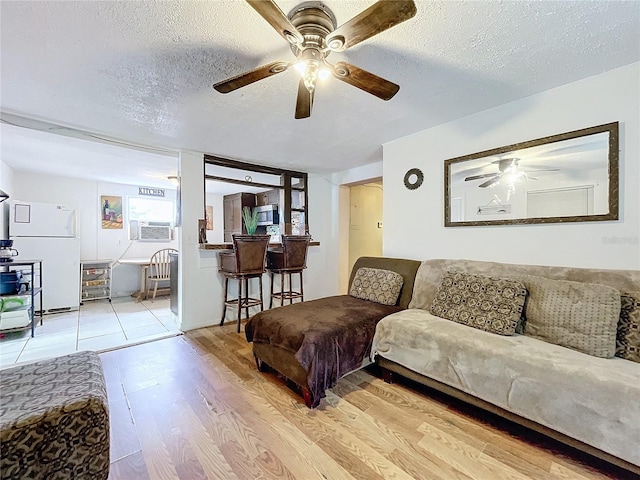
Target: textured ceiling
(142, 71)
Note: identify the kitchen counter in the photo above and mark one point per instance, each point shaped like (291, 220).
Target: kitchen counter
(229, 245)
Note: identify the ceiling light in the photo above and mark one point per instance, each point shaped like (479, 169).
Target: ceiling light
(308, 65)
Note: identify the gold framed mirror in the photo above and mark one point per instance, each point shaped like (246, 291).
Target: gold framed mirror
(570, 177)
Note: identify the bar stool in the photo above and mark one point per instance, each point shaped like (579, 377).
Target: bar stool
(247, 261)
(292, 258)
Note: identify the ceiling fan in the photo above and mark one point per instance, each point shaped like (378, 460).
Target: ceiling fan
(508, 171)
(310, 29)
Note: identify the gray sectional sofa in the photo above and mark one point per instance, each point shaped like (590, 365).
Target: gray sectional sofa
(589, 402)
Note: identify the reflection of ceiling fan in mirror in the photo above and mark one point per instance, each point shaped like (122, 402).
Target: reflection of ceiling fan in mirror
(310, 29)
(509, 172)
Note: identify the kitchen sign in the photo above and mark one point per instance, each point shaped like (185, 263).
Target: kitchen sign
(151, 192)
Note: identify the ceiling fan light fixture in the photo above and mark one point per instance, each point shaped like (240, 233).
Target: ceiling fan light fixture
(341, 71)
(308, 65)
(278, 67)
(310, 74)
(324, 73)
(336, 44)
(310, 29)
(291, 38)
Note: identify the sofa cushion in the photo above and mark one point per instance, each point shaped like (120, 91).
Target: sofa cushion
(628, 335)
(488, 303)
(582, 316)
(377, 285)
(429, 276)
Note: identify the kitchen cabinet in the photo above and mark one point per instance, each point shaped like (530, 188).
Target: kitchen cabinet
(270, 197)
(95, 280)
(232, 206)
(17, 311)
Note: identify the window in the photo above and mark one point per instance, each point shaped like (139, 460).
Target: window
(150, 218)
(151, 209)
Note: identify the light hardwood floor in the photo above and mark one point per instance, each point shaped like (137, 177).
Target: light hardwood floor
(195, 407)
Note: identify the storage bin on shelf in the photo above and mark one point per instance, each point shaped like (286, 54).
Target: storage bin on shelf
(95, 280)
(15, 311)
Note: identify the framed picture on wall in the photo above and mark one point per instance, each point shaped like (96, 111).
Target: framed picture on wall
(111, 212)
(208, 215)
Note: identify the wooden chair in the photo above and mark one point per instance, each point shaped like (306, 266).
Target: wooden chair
(292, 258)
(247, 261)
(158, 270)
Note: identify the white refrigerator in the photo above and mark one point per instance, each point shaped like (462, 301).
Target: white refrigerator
(48, 232)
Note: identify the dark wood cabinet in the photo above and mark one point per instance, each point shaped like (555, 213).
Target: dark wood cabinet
(270, 197)
(232, 206)
(296, 199)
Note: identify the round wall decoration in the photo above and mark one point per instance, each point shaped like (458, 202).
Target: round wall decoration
(413, 178)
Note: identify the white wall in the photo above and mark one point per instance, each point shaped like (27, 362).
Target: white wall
(341, 221)
(199, 285)
(414, 219)
(322, 274)
(95, 242)
(6, 185)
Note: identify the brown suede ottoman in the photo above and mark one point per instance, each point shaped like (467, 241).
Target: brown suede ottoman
(54, 420)
(317, 342)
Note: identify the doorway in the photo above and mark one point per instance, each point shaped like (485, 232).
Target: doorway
(365, 221)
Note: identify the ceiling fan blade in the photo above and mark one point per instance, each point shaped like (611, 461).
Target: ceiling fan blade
(379, 17)
(490, 182)
(278, 20)
(249, 77)
(364, 80)
(304, 101)
(477, 177)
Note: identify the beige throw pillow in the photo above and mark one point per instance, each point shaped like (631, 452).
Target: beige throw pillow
(377, 285)
(488, 303)
(577, 315)
(628, 336)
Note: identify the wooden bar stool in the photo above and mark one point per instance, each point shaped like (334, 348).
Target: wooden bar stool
(247, 261)
(292, 258)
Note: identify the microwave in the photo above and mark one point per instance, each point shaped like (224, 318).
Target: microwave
(268, 215)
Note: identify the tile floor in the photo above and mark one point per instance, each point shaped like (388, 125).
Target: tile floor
(98, 325)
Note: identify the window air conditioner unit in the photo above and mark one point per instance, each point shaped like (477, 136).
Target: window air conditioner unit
(159, 231)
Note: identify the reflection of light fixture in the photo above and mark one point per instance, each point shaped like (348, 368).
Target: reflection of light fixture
(510, 175)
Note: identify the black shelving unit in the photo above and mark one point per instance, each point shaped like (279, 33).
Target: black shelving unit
(29, 271)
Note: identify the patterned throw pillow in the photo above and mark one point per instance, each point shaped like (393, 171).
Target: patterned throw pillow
(377, 285)
(488, 303)
(578, 315)
(628, 336)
